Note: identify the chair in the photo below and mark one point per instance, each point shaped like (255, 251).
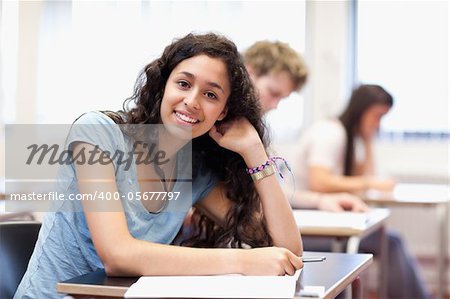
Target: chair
(17, 240)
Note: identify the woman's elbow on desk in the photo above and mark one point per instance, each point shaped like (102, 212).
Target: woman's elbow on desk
(297, 248)
(295, 245)
(119, 260)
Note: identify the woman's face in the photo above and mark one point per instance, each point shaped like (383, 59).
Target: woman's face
(370, 120)
(195, 96)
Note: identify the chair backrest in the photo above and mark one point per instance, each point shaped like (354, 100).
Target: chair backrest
(17, 240)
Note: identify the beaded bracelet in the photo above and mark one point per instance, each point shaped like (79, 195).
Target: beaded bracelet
(267, 169)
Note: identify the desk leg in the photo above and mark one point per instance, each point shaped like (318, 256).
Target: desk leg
(353, 244)
(383, 262)
(357, 289)
(337, 244)
(352, 247)
(443, 215)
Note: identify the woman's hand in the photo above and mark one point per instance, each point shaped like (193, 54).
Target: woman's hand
(339, 202)
(238, 136)
(270, 261)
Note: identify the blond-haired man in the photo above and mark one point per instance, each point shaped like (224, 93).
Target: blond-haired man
(277, 70)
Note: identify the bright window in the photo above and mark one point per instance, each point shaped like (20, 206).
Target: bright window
(403, 46)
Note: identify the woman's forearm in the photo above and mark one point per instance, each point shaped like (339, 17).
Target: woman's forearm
(276, 207)
(140, 257)
(302, 199)
(322, 180)
(145, 258)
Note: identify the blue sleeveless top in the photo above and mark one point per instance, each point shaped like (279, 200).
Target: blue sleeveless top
(65, 249)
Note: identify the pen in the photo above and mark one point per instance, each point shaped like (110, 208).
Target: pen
(310, 259)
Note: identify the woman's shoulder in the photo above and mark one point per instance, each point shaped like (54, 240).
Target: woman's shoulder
(93, 118)
(96, 128)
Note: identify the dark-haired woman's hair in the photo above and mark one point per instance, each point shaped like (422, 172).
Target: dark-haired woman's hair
(244, 225)
(362, 98)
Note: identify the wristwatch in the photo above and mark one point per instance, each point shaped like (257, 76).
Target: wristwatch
(267, 171)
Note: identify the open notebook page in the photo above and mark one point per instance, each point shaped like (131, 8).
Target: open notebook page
(214, 286)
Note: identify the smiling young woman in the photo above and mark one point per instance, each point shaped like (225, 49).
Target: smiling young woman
(199, 92)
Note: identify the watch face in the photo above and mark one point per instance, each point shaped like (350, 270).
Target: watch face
(269, 170)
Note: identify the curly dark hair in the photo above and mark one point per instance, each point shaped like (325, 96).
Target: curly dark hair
(244, 222)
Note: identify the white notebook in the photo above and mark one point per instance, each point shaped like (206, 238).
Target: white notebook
(214, 286)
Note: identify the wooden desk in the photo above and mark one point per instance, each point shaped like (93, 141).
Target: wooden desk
(422, 195)
(334, 275)
(347, 228)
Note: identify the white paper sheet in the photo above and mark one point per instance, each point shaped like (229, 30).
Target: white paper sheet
(313, 218)
(215, 286)
(415, 192)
